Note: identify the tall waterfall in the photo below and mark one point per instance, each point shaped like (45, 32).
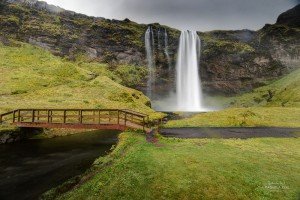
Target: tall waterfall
(188, 84)
(149, 45)
(158, 39)
(167, 49)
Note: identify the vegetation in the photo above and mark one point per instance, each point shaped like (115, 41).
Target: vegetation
(281, 93)
(215, 46)
(243, 117)
(33, 77)
(131, 75)
(191, 169)
(277, 104)
(283, 33)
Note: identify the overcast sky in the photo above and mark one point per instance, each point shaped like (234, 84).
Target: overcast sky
(201, 15)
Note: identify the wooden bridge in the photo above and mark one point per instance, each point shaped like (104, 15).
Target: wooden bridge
(102, 119)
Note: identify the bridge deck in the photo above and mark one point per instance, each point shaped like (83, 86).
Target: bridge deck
(103, 119)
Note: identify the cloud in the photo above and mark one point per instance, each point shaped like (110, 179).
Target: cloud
(200, 15)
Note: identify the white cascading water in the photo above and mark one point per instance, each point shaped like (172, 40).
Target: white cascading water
(158, 39)
(188, 84)
(167, 49)
(149, 45)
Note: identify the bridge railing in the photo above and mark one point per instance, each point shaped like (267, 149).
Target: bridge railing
(77, 116)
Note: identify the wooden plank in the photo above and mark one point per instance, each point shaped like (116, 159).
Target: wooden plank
(80, 116)
(65, 116)
(38, 114)
(19, 115)
(33, 111)
(99, 119)
(118, 117)
(14, 116)
(48, 116)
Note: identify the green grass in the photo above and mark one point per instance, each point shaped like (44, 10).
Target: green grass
(32, 77)
(277, 105)
(243, 117)
(283, 92)
(265, 168)
(131, 75)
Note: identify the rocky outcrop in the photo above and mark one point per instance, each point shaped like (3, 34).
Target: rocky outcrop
(17, 134)
(231, 61)
(10, 136)
(290, 17)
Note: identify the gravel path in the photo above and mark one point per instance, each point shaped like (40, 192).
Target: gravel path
(242, 133)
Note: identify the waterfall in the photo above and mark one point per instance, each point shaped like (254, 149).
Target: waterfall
(149, 45)
(167, 49)
(188, 84)
(158, 39)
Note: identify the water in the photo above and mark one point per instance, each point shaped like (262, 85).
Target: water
(167, 50)
(158, 39)
(32, 167)
(188, 84)
(149, 45)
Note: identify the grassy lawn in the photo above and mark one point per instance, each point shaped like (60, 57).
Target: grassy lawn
(243, 117)
(32, 77)
(265, 168)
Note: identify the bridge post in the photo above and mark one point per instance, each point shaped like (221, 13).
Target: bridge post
(48, 116)
(99, 120)
(125, 118)
(38, 115)
(33, 116)
(94, 116)
(80, 116)
(118, 117)
(19, 115)
(14, 116)
(65, 116)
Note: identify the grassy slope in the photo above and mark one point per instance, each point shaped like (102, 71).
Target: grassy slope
(285, 92)
(32, 77)
(194, 169)
(258, 108)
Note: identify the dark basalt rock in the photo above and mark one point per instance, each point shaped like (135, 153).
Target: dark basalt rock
(231, 61)
(290, 17)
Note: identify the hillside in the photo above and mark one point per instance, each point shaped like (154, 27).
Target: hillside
(231, 62)
(33, 77)
(276, 105)
(281, 93)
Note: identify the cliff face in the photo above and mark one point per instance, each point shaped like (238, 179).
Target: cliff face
(290, 17)
(231, 61)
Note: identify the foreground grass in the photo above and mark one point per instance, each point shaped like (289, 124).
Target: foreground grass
(265, 168)
(243, 117)
(33, 77)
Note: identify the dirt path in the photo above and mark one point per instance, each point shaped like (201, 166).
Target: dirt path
(242, 133)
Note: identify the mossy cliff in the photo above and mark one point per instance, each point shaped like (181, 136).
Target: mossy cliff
(231, 61)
